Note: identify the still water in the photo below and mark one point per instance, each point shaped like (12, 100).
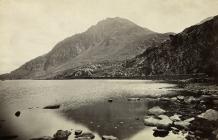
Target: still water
(84, 105)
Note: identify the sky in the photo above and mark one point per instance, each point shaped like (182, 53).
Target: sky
(30, 28)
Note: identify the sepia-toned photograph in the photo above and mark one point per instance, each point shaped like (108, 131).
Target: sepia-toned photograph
(108, 69)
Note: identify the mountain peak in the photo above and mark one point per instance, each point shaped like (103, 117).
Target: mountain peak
(120, 20)
(116, 24)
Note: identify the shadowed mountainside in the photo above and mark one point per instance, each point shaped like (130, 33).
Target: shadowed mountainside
(195, 50)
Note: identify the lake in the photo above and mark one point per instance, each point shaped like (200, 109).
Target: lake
(84, 105)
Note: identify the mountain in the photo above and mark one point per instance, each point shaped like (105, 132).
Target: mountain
(193, 51)
(109, 41)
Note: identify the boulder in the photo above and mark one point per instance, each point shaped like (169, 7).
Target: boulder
(104, 137)
(160, 132)
(62, 135)
(156, 110)
(162, 121)
(210, 114)
(78, 132)
(175, 118)
(183, 124)
(85, 135)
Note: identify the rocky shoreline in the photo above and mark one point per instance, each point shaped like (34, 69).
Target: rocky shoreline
(191, 111)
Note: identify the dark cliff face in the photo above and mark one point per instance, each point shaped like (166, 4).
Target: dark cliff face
(195, 50)
(113, 39)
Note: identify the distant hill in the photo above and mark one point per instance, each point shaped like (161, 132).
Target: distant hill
(110, 41)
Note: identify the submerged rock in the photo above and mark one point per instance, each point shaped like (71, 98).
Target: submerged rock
(133, 99)
(156, 110)
(210, 114)
(52, 107)
(160, 121)
(160, 132)
(78, 132)
(104, 137)
(17, 114)
(85, 135)
(62, 135)
(110, 100)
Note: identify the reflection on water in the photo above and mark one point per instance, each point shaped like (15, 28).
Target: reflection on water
(119, 118)
(83, 106)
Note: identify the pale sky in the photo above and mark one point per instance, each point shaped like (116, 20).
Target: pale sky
(29, 28)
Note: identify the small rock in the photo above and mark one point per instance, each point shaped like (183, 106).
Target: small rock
(180, 98)
(175, 130)
(52, 107)
(175, 118)
(162, 121)
(191, 99)
(160, 132)
(215, 102)
(137, 119)
(62, 135)
(17, 114)
(173, 99)
(133, 99)
(110, 100)
(164, 99)
(210, 114)
(156, 110)
(104, 137)
(85, 135)
(82, 138)
(215, 133)
(78, 132)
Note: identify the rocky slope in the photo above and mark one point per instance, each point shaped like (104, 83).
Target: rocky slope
(195, 50)
(111, 40)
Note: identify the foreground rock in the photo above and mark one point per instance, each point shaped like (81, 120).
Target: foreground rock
(59, 135)
(78, 132)
(183, 124)
(104, 137)
(210, 114)
(62, 135)
(85, 136)
(175, 118)
(160, 132)
(156, 110)
(52, 107)
(160, 121)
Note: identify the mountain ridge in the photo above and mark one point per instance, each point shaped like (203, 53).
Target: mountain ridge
(111, 39)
